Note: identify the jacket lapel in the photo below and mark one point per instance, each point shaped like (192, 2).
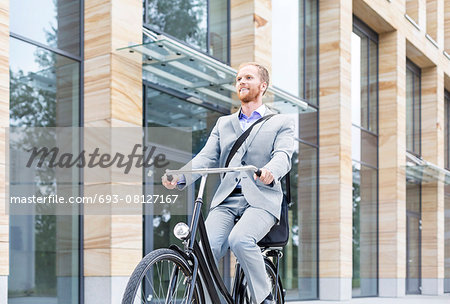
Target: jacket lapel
(236, 124)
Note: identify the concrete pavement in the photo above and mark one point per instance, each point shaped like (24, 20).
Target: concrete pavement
(412, 299)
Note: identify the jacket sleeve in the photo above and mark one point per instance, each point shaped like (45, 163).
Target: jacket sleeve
(283, 148)
(208, 157)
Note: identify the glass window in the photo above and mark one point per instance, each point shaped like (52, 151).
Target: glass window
(447, 197)
(44, 249)
(53, 23)
(413, 115)
(447, 129)
(365, 197)
(447, 240)
(299, 263)
(170, 106)
(295, 36)
(364, 92)
(413, 237)
(200, 23)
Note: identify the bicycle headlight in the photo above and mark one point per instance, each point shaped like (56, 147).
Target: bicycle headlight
(181, 231)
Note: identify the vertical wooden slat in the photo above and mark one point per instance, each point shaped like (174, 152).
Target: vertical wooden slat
(335, 165)
(392, 179)
(433, 193)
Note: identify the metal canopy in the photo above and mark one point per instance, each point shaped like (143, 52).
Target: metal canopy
(419, 170)
(203, 79)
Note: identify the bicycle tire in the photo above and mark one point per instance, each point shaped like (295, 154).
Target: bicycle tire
(243, 294)
(161, 264)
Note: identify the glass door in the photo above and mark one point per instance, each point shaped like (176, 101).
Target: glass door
(187, 126)
(413, 239)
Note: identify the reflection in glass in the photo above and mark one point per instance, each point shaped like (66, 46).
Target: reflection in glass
(218, 29)
(373, 86)
(53, 23)
(308, 127)
(413, 115)
(364, 147)
(446, 130)
(356, 79)
(299, 263)
(447, 197)
(364, 81)
(166, 110)
(364, 77)
(364, 96)
(294, 36)
(310, 54)
(447, 239)
(183, 19)
(44, 87)
(365, 198)
(44, 249)
(413, 235)
(187, 20)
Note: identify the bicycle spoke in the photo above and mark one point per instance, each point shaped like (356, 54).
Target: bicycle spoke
(163, 280)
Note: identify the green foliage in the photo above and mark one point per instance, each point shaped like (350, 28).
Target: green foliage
(183, 19)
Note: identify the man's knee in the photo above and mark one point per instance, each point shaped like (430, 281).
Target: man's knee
(240, 242)
(216, 248)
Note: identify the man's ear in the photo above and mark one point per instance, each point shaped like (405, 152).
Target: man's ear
(263, 86)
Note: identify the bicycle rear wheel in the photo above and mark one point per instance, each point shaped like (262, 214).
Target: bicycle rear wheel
(244, 294)
(162, 276)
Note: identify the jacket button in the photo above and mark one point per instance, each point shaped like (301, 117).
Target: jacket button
(243, 163)
(236, 179)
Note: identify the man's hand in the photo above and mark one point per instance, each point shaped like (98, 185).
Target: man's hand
(266, 176)
(172, 184)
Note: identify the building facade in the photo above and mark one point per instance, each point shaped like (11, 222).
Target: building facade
(367, 82)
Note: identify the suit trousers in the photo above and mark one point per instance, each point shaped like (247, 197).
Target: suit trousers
(242, 238)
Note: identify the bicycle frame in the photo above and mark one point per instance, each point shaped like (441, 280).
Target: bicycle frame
(204, 261)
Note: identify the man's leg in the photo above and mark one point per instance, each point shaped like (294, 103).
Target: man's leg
(220, 222)
(254, 224)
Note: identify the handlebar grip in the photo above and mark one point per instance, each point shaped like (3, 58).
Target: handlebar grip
(259, 172)
(169, 177)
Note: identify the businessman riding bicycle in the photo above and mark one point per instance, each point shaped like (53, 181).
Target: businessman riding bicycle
(255, 200)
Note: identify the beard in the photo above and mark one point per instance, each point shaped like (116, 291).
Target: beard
(250, 96)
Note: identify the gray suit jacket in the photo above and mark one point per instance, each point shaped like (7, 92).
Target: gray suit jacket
(270, 145)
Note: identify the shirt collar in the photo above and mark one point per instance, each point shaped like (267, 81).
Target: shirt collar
(261, 110)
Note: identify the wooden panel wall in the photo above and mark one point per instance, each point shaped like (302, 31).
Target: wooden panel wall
(4, 123)
(392, 146)
(113, 98)
(251, 32)
(412, 9)
(432, 18)
(335, 173)
(433, 193)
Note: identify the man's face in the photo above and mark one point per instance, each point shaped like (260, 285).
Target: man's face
(248, 83)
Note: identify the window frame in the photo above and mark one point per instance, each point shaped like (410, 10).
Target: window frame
(416, 71)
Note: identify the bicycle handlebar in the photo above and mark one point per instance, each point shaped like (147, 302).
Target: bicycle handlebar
(205, 171)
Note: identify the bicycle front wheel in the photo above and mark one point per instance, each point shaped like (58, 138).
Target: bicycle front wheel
(244, 294)
(162, 276)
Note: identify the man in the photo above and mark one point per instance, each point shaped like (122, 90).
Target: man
(256, 200)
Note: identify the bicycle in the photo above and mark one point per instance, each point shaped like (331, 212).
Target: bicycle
(175, 275)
